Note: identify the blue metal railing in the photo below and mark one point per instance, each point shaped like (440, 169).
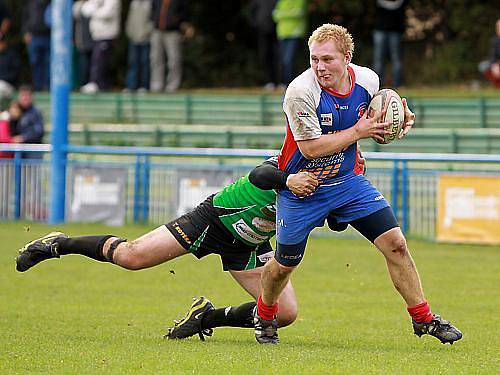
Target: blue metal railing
(399, 173)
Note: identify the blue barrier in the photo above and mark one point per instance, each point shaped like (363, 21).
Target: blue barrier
(60, 82)
(395, 171)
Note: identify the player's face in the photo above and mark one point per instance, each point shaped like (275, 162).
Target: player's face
(329, 64)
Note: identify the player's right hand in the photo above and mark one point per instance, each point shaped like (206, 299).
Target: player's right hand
(372, 127)
(302, 184)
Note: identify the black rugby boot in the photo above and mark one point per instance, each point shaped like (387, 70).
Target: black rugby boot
(38, 250)
(191, 323)
(266, 331)
(441, 329)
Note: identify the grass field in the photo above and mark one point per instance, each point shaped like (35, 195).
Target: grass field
(74, 315)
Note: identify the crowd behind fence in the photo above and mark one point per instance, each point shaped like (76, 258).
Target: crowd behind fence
(408, 181)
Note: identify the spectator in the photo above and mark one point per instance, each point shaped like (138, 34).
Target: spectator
(29, 128)
(83, 42)
(169, 18)
(5, 20)
(104, 28)
(10, 68)
(138, 28)
(291, 21)
(387, 35)
(8, 125)
(491, 67)
(261, 13)
(37, 38)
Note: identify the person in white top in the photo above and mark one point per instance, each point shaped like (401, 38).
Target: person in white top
(104, 28)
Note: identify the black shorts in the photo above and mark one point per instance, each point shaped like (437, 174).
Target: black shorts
(201, 233)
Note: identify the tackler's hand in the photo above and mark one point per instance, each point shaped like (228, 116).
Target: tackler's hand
(302, 184)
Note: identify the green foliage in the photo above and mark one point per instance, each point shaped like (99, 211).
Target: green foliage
(75, 315)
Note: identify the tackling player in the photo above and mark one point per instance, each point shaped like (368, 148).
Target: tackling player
(236, 223)
(325, 108)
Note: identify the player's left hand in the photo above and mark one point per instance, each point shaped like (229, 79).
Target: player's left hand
(409, 119)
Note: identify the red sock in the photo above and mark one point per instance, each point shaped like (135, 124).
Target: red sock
(421, 313)
(265, 311)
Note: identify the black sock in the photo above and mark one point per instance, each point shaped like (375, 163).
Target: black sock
(90, 246)
(240, 316)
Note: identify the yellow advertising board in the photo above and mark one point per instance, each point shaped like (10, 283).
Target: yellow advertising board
(469, 209)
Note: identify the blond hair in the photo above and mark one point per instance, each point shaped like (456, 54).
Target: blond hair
(336, 33)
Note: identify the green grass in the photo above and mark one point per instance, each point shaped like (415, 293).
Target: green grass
(74, 315)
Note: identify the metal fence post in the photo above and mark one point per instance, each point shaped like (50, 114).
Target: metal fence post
(157, 137)
(395, 187)
(454, 141)
(482, 113)
(229, 138)
(145, 189)
(87, 135)
(60, 81)
(263, 112)
(189, 109)
(404, 196)
(119, 109)
(137, 187)
(17, 184)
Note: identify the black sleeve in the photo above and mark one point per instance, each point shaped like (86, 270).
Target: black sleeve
(268, 176)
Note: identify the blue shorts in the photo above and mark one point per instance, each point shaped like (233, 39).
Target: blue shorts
(347, 200)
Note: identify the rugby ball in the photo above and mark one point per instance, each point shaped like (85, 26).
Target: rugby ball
(389, 100)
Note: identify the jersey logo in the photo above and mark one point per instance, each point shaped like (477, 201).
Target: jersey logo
(361, 109)
(266, 257)
(247, 233)
(291, 257)
(264, 225)
(302, 114)
(327, 119)
(183, 234)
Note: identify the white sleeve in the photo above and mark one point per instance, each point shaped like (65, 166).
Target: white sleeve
(300, 110)
(103, 9)
(108, 9)
(89, 7)
(77, 8)
(366, 78)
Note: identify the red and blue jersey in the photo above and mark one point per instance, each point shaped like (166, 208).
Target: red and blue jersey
(312, 110)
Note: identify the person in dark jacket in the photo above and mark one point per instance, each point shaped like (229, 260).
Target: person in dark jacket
(387, 35)
(138, 29)
(5, 20)
(37, 38)
(29, 127)
(491, 68)
(83, 42)
(10, 68)
(169, 19)
(261, 13)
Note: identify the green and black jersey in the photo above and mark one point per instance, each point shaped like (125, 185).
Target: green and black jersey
(236, 223)
(250, 212)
